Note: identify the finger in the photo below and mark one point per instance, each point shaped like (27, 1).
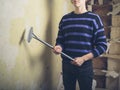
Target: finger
(74, 63)
(54, 51)
(77, 63)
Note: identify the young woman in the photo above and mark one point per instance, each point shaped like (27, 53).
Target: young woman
(81, 36)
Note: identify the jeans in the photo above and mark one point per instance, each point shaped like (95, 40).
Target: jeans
(83, 74)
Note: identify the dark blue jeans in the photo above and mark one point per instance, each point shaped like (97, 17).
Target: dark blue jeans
(72, 73)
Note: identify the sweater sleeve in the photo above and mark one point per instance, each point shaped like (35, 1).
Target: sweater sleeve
(60, 36)
(99, 38)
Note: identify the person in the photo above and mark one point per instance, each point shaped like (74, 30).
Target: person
(81, 36)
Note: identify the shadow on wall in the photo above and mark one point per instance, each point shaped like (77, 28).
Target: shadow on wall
(22, 41)
(46, 56)
(45, 82)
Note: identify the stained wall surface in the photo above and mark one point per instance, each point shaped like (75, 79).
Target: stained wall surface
(23, 65)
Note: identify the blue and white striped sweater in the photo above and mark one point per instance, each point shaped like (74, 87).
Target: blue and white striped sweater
(80, 34)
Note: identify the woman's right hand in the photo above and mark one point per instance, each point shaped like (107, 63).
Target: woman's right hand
(57, 49)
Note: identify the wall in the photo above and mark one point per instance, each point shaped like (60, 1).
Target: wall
(29, 66)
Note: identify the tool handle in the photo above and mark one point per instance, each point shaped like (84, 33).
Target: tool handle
(50, 46)
(67, 56)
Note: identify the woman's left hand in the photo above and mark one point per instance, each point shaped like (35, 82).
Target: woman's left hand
(78, 61)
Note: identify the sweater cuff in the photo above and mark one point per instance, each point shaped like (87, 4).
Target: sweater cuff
(95, 54)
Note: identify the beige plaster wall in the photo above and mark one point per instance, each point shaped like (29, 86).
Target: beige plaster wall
(29, 66)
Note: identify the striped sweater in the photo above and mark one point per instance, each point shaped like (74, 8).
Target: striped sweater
(80, 34)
